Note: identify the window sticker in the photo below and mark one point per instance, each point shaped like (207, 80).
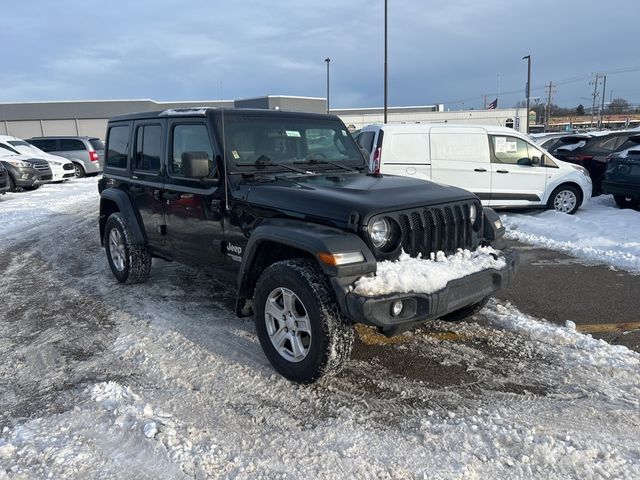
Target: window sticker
(235, 154)
(501, 144)
(512, 147)
(293, 133)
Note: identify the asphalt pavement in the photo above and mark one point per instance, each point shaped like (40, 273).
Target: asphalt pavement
(600, 300)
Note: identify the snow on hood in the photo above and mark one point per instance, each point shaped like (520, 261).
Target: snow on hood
(426, 276)
(572, 146)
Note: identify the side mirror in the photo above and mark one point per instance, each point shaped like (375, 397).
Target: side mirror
(196, 164)
(525, 161)
(535, 161)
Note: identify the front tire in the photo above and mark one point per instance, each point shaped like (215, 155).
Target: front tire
(129, 263)
(78, 171)
(12, 185)
(623, 202)
(565, 199)
(300, 327)
(465, 312)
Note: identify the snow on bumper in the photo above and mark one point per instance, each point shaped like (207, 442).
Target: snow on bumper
(428, 289)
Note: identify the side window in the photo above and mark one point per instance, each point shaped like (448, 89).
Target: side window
(7, 148)
(508, 150)
(117, 147)
(610, 144)
(45, 145)
(148, 148)
(190, 138)
(71, 145)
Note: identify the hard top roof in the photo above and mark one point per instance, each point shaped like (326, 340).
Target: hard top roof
(210, 111)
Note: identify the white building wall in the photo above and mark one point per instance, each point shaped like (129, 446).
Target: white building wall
(499, 117)
(93, 127)
(58, 127)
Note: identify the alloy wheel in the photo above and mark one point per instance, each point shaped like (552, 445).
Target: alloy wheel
(288, 324)
(116, 249)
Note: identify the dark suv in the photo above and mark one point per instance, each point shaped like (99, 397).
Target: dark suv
(279, 203)
(622, 177)
(590, 152)
(25, 173)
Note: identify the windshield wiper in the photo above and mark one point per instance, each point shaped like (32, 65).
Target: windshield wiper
(264, 161)
(316, 161)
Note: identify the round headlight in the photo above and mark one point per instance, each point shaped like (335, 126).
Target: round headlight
(380, 232)
(472, 214)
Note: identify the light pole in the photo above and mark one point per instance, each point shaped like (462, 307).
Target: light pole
(385, 61)
(528, 58)
(327, 61)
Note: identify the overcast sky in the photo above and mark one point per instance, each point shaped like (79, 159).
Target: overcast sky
(445, 51)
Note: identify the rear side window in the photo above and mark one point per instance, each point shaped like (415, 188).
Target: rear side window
(45, 145)
(97, 144)
(7, 148)
(365, 140)
(189, 138)
(407, 148)
(71, 145)
(118, 144)
(148, 148)
(468, 147)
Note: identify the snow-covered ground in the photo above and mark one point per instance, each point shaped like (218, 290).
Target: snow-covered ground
(160, 380)
(599, 232)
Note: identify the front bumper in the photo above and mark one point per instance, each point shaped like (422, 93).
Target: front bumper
(421, 307)
(30, 177)
(622, 189)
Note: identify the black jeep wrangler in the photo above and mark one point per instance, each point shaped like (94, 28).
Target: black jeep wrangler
(282, 204)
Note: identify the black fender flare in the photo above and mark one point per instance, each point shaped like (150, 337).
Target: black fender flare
(310, 238)
(125, 206)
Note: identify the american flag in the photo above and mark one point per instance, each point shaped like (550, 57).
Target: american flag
(493, 105)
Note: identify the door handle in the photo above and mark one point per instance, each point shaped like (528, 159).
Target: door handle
(479, 169)
(502, 171)
(136, 189)
(171, 195)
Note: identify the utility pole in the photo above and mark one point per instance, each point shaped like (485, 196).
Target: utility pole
(547, 110)
(601, 116)
(528, 58)
(328, 61)
(595, 96)
(485, 103)
(385, 61)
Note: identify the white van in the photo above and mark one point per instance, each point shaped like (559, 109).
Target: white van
(503, 167)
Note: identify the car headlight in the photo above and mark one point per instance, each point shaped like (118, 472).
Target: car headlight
(52, 162)
(380, 232)
(582, 170)
(17, 163)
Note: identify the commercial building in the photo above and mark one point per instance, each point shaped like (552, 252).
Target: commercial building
(34, 119)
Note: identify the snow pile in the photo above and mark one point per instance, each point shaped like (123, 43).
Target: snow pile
(599, 232)
(426, 276)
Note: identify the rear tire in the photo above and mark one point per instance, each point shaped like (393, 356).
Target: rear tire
(465, 312)
(129, 263)
(622, 202)
(300, 327)
(565, 199)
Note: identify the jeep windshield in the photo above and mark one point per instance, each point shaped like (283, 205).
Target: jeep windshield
(280, 142)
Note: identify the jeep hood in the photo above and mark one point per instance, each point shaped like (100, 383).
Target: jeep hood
(337, 197)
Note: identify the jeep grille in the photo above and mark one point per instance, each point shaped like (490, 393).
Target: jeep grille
(438, 228)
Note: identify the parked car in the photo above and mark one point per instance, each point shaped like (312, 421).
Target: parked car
(24, 172)
(500, 165)
(61, 168)
(280, 204)
(86, 153)
(591, 151)
(4, 180)
(622, 177)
